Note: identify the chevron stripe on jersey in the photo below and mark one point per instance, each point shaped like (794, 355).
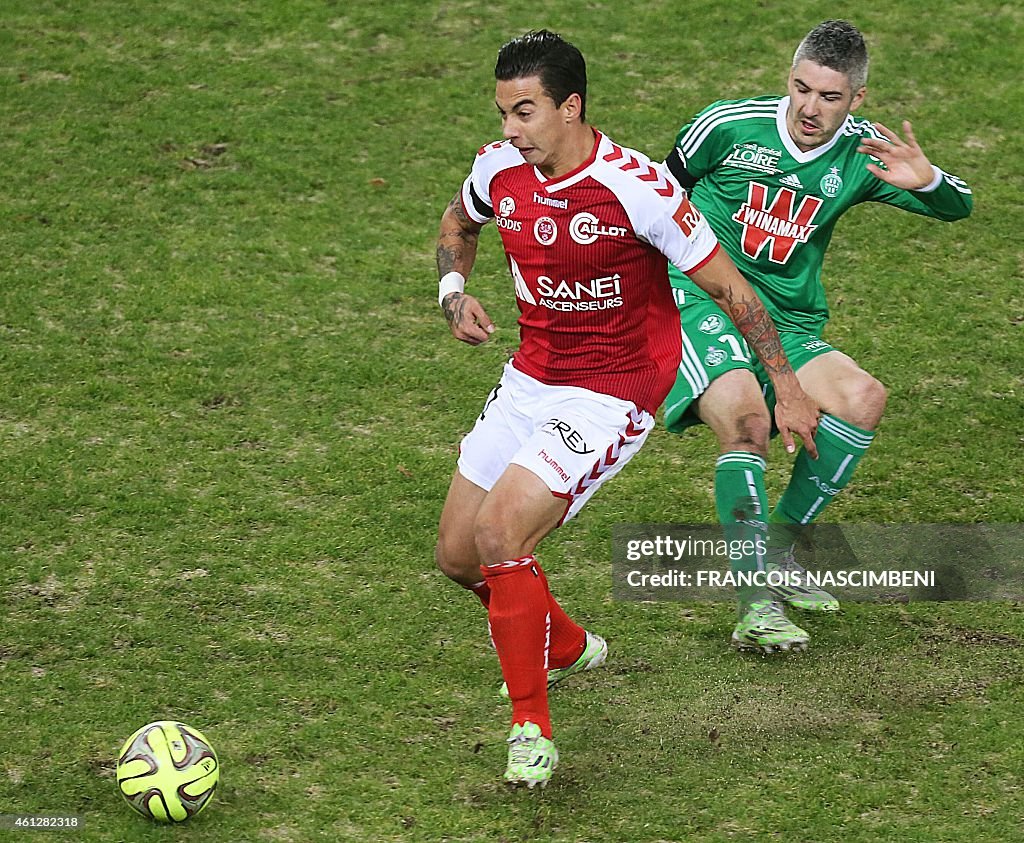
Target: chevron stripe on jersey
(714, 117)
(646, 172)
(511, 564)
(634, 429)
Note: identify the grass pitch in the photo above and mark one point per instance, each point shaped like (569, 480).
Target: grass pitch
(230, 409)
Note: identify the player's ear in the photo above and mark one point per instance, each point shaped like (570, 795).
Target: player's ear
(572, 107)
(858, 98)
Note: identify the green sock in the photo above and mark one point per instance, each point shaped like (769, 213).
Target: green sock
(742, 503)
(815, 482)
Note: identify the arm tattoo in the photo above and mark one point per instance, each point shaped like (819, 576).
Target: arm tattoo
(456, 247)
(455, 205)
(447, 259)
(454, 305)
(752, 320)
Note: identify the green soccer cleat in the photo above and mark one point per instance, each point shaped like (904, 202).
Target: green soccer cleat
(765, 628)
(809, 598)
(594, 653)
(532, 758)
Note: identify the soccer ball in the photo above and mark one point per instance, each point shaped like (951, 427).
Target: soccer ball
(167, 771)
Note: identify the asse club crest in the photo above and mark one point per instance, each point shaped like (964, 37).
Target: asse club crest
(715, 356)
(831, 183)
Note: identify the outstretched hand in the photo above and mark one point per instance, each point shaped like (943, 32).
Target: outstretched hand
(467, 319)
(906, 166)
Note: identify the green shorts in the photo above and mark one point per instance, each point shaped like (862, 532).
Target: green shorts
(711, 347)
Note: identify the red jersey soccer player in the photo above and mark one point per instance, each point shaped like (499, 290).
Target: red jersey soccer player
(588, 228)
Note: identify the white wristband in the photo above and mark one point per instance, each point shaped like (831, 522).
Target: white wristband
(934, 183)
(453, 282)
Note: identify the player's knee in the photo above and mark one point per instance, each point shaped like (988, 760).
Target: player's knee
(875, 398)
(492, 540)
(753, 431)
(866, 397)
(495, 537)
(444, 559)
(862, 401)
(748, 432)
(455, 560)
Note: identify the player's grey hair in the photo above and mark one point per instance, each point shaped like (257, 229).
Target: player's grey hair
(836, 44)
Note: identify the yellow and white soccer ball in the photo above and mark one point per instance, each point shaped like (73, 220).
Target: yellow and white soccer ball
(167, 771)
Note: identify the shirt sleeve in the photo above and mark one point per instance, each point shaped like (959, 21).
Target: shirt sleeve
(695, 152)
(475, 202)
(947, 198)
(683, 236)
(476, 189)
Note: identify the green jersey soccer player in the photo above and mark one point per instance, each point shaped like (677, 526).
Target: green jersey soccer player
(773, 175)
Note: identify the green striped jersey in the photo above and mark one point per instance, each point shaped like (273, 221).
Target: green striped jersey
(774, 206)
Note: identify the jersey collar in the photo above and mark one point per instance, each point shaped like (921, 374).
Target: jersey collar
(572, 176)
(798, 154)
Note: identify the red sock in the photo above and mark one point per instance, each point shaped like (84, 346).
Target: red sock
(520, 627)
(568, 639)
(481, 590)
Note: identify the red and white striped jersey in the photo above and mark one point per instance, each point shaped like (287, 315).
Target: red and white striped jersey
(589, 254)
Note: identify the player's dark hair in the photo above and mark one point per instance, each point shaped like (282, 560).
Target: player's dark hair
(558, 63)
(839, 45)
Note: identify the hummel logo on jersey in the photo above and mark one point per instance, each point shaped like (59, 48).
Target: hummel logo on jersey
(550, 201)
(775, 224)
(792, 180)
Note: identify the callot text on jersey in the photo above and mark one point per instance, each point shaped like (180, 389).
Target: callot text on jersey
(595, 294)
(585, 228)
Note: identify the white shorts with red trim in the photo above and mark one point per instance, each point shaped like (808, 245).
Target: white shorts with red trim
(573, 439)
